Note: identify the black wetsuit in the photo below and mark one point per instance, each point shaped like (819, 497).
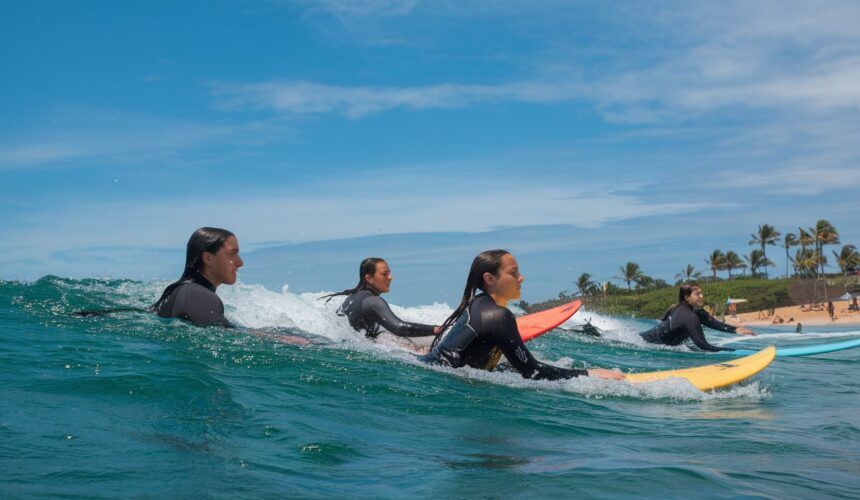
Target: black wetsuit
(369, 312)
(682, 322)
(195, 300)
(482, 331)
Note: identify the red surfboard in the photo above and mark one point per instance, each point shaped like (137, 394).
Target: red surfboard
(536, 324)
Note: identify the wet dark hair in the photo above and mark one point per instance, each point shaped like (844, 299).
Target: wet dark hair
(205, 239)
(485, 262)
(683, 292)
(686, 290)
(367, 266)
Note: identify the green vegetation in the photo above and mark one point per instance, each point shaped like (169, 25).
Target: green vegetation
(761, 294)
(652, 297)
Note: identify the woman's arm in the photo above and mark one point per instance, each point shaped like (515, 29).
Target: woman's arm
(386, 317)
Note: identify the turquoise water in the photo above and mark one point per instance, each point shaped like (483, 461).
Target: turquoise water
(133, 405)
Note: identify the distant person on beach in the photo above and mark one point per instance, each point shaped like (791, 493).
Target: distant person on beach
(483, 329)
(799, 328)
(368, 312)
(854, 306)
(831, 310)
(684, 321)
(211, 260)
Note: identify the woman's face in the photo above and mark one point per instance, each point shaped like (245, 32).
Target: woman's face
(381, 279)
(696, 299)
(222, 266)
(507, 283)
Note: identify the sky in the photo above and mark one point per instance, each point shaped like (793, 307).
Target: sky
(648, 132)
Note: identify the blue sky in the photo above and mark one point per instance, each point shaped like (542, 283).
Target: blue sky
(667, 128)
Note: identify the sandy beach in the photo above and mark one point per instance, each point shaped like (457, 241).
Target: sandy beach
(794, 314)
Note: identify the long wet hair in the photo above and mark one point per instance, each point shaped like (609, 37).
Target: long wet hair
(205, 239)
(485, 262)
(367, 266)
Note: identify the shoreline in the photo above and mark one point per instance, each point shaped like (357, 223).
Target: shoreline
(791, 315)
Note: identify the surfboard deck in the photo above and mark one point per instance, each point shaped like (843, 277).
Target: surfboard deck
(806, 350)
(536, 324)
(714, 376)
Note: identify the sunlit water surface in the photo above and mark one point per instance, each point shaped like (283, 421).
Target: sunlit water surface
(137, 406)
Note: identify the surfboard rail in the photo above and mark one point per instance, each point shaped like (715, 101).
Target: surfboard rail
(807, 350)
(714, 376)
(536, 324)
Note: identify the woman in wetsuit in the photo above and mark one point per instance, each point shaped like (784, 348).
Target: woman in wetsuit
(211, 259)
(684, 321)
(368, 312)
(484, 329)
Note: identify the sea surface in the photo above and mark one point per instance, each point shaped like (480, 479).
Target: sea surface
(131, 405)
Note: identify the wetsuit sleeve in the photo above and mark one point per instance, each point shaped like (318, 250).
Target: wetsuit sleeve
(503, 327)
(712, 322)
(200, 306)
(385, 317)
(698, 338)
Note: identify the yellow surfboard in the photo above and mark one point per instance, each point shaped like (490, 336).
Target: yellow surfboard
(714, 376)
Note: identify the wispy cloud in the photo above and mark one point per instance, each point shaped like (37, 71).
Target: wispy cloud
(340, 208)
(669, 61)
(356, 102)
(40, 152)
(121, 136)
(348, 9)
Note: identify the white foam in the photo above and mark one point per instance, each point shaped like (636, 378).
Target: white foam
(671, 389)
(254, 306)
(612, 328)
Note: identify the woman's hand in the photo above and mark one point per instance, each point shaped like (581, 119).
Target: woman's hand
(607, 374)
(742, 330)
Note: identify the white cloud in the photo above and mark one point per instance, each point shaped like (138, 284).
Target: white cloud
(121, 136)
(355, 102)
(337, 209)
(363, 8)
(34, 154)
(801, 179)
(671, 60)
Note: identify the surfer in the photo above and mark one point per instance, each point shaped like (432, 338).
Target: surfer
(684, 321)
(211, 259)
(367, 311)
(484, 329)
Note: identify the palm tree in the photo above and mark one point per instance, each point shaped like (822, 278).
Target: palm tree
(848, 259)
(689, 273)
(824, 234)
(804, 238)
(585, 285)
(803, 262)
(630, 273)
(757, 260)
(733, 261)
(646, 282)
(716, 262)
(810, 262)
(767, 235)
(790, 240)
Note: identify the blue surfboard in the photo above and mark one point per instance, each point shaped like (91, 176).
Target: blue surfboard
(806, 350)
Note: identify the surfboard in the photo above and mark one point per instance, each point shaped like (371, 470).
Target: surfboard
(536, 324)
(806, 350)
(714, 376)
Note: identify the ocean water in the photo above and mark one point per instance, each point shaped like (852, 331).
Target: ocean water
(132, 405)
